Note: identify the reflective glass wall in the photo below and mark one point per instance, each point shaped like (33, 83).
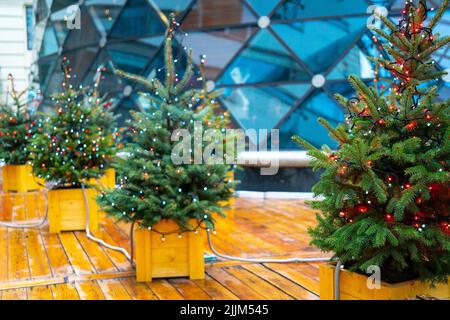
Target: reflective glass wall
(278, 62)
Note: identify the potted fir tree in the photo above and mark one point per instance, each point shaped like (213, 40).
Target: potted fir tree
(71, 149)
(17, 126)
(170, 203)
(386, 188)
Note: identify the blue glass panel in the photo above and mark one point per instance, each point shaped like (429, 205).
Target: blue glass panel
(104, 13)
(41, 10)
(49, 43)
(110, 83)
(45, 68)
(55, 79)
(156, 66)
(81, 37)
(214, 13)
(261, 107)
(62, 4)
(301, 9)
(344, 88)
(226, 44)
(124, 108)
(356, 63)
(80, 61)
(264, 60)
(137, 19)
(133, 56)
(320, 43)
(263, 7)
(303, 121)
(444, 92)
(60, 30)
(175, 6)
(30, 26)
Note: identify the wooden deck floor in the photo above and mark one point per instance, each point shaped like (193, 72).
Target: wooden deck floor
(36, 265)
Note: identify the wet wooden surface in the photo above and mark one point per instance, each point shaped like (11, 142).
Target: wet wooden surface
(37, 265)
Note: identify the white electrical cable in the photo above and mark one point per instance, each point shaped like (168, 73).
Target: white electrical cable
(29, 225)
(337, 271)
(99, 241)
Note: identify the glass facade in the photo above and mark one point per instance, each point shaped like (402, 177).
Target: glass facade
(262, 54)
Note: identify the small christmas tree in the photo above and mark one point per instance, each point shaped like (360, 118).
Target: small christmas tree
(75, 144)
(17, 125)
(386, 188)
(153, 187)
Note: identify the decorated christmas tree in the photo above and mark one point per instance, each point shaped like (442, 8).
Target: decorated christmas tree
(154, 185)
(386, 188)
(75, 144)
(17, 125)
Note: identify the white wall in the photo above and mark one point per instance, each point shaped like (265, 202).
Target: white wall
(15, 58)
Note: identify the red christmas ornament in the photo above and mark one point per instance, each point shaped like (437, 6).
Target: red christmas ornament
(361, 208)
(411, 125)
(445, 227)
(434, 187)
(389, 217)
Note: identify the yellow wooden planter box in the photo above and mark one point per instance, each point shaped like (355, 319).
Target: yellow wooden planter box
(19, 178)
(353, 286)
(173, 257)
(67, 210)
(108, 180)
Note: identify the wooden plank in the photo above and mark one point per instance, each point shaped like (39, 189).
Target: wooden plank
(164, 290)
(137, 290)
(15, 294)
(237, 287)
(59, 262)
(280, 282)
(97, 256)
(77, 256)
(118, 235)
(37, 257)
(189, 290)
(256, 283)
(39, 293)
(30, 283)
(119, 260)
(4, 254)
(304, 274)
(214, 289)
(66, 291)
(89, 290)
(18, 268)
(113, 290)
(66, 279)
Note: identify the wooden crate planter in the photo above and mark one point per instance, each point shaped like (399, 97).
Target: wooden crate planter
(108, 180)
(19, 178)
(173, 257)
(67, 210)
(353, 286)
